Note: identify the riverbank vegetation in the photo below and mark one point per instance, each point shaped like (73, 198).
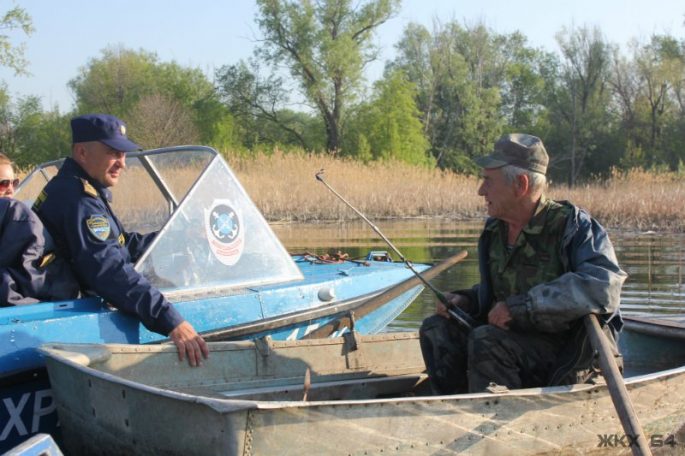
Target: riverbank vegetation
(612, 118)
(284, 187)
(447, 94)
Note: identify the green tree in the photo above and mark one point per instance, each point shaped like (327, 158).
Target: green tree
(660, 69)
(674, 135)
(389, 126)
(12, 55)
(6, 125)
(152, 130)
(215, 123)
(625, 86)
(115, 82)
(121, 79)
(649, 89)
(578, 102)
(30, 135)
(458, 74)
(522, 84)
(256, 104)
(325, 45)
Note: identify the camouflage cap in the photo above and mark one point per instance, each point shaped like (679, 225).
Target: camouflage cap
(517, 149)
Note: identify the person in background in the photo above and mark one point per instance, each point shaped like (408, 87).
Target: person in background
(30, 272)
(75, 208)
(8, 181)
(544, 265)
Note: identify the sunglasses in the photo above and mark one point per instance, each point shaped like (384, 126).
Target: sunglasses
(5, 183)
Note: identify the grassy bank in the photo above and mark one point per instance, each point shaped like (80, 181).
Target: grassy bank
(284, 188)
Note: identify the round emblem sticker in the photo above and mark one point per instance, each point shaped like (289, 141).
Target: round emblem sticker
(225, 232)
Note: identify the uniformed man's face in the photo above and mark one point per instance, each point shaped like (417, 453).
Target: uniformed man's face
(102, 163)
(499, 194)
(7, 180)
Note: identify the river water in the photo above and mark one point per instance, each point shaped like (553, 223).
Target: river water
(653, 261)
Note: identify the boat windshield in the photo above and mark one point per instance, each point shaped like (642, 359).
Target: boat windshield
(211, 238)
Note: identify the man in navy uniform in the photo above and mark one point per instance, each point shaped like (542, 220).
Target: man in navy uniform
(75, 208)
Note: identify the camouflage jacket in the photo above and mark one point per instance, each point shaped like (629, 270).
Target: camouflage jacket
(591, 282)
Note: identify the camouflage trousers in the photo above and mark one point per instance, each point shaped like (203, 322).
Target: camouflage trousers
(458, 362)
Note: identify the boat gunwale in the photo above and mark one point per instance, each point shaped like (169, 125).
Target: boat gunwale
(655, 326)
(52, 351)
(666, 321)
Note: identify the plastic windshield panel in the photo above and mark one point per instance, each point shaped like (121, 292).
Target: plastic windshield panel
(32, 184)
(216, 239)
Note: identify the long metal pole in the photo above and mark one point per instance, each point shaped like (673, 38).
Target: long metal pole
(459, 315)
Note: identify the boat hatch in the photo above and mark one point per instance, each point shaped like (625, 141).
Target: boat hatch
(212, 237)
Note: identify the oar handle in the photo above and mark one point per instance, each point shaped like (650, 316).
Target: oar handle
(617, 387)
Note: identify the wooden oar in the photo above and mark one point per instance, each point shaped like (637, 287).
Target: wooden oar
(617, 388)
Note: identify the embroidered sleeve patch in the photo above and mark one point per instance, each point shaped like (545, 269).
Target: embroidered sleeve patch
(98, 226)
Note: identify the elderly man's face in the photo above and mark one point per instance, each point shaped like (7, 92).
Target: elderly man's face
(101, 162)
(498, 193)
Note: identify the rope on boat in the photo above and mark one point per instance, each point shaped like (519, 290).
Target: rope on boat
(330, 258)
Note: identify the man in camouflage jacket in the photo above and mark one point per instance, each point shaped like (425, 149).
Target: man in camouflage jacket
(544, 265)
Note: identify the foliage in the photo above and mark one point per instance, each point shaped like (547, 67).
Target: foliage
(458, 72)
(445, 98)
(255, 102)
(124, 82)
(388, 127)
(325, 45)
(12, 55)
(152, 130)
(577, 97)
(30, 135)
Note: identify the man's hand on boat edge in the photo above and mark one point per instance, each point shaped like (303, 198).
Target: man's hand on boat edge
(190, 343)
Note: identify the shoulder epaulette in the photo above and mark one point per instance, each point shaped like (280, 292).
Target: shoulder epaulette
(39, 201)
(88, 188)
(46, 260)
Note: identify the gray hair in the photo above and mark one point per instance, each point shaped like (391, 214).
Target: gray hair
(538, 182)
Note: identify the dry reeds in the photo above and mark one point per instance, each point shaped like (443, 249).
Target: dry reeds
(284, 188)
(634, 200)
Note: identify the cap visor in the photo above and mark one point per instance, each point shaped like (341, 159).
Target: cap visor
(121, 144)
(489, 162)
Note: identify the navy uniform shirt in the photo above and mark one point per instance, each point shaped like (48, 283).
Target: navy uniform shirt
(29, 270)
(75, 209)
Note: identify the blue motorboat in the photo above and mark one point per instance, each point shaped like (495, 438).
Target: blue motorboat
(216, 258)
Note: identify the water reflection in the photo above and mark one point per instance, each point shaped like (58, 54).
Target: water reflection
(654, 261)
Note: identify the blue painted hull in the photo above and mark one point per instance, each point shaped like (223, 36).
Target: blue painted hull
(284, 311)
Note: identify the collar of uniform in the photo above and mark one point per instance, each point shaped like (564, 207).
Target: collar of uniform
(537, 222)
(534, 225)
(72, 167)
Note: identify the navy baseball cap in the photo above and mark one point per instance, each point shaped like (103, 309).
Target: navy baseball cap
(104, 128)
